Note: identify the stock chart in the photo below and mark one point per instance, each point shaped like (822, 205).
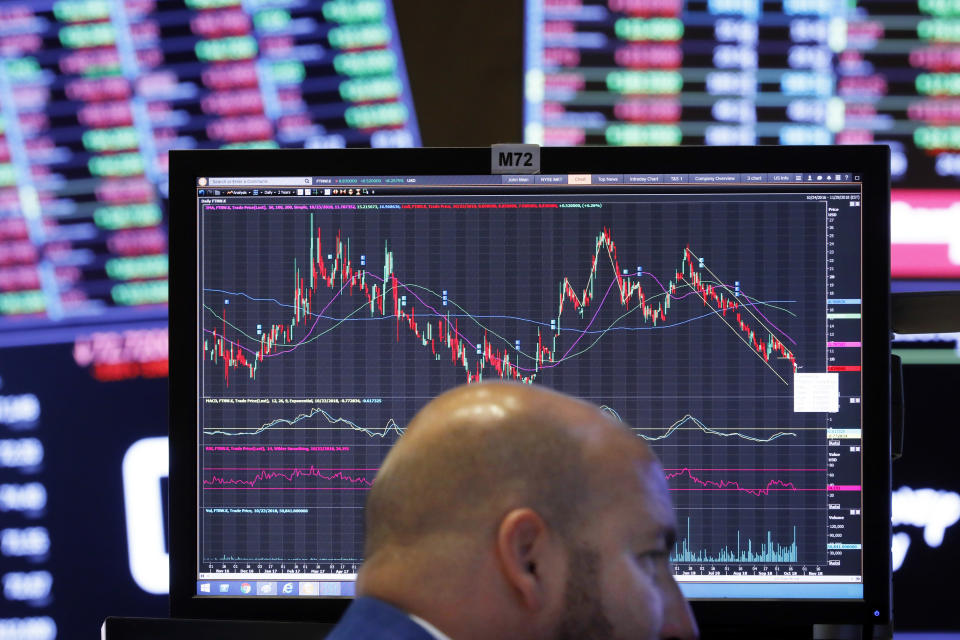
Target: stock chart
(327, 323)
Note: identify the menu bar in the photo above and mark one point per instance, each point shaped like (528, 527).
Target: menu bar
(577, 179)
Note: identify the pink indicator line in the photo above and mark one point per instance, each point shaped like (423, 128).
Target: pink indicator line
(776, 485)
(693, 469)
(282, 469)
(261, 449)
(286, 488)
(765, 490)
(843, 344)
(843, 487)
(264, 475)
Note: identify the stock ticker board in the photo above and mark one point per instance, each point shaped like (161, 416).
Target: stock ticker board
(789, 72)
(93, 93)
(743, 72)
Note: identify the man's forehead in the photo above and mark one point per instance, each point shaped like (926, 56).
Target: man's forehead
(653, 509)
(630, 482)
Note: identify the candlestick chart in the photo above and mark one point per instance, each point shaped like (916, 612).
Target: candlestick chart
(385, 296)
(322, 333)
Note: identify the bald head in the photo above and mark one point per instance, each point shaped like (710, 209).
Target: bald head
(513, 511)
(478, 451)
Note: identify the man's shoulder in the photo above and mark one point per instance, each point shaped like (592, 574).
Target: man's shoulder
(372, 618)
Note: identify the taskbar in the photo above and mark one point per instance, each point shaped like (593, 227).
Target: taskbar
(278, 588)
(720, 587)
(692, 590)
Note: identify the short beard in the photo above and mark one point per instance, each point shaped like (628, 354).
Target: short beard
(583, 616)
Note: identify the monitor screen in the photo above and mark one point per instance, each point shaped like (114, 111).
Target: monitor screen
(713, 302)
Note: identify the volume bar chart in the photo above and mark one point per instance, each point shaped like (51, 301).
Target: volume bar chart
(744, 550)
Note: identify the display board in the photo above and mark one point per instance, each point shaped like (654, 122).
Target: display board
(926, 504)
(94, 93)
(745, 72)
(73, 545)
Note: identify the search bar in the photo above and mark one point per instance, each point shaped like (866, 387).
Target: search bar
(258, 182)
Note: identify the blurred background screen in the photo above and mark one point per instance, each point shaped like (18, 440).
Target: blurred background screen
(93, 93)
(790, 72)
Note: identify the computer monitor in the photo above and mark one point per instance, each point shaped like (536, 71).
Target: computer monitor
(730, 305)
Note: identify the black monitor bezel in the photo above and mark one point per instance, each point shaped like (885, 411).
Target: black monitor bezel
(870, 162)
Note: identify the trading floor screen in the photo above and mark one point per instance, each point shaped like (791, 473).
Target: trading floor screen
(717, 315)
(94, 93)
(790, 72)
(728, 72)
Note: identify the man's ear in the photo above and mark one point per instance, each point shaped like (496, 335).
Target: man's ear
(529, 557)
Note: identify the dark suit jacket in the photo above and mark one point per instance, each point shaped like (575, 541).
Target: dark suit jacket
(369, 619)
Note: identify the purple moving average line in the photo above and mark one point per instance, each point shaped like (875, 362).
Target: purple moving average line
(312, 327)
(742, 304)
(464, 338)
(467, 340)
(752, 304)
(226, 339)
(375, 277)
(584, 332)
